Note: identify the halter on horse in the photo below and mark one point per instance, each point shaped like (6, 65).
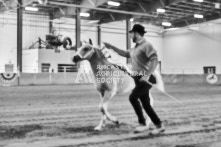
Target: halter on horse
(115, 80)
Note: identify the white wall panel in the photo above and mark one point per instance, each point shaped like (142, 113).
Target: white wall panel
(188, 51)
(8, 37)
(30, 61)
(34, 26)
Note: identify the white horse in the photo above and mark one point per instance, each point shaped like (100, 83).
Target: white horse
(110, 80)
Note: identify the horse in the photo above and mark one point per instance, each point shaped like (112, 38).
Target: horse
(112, 84)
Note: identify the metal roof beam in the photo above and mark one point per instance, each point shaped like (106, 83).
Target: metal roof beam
(13, 4)
(100, 9)
(147, 8)
(180, 23)
(203, 7)
(168, 14)
(69, 10)
(179, 9)
(197, 9)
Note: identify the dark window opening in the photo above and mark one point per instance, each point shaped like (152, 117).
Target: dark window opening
(209, 69)
(45, 67)
(67, 68)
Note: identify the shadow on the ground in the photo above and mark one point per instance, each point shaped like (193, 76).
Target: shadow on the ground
(17, 132)
(107, 130)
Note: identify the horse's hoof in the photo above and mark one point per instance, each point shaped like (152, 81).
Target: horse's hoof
(98, 128)
(114, 119)
(117, 122)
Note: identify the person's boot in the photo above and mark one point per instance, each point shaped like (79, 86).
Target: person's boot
(141, 128)
(159, 129)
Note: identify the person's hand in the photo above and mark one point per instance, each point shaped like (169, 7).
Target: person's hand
(106, 53)
(145, 78)
(108, 45)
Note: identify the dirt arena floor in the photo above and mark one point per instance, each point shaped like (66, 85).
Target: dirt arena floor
(65, 116)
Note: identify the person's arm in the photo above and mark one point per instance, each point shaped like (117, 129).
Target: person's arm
(152, 66)
(119, 51)
(153, 61)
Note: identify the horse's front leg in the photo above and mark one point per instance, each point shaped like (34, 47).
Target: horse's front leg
(102, 122)
(103, 116)
(108, 95)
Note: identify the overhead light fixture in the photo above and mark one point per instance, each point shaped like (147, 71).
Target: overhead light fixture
(198, 16)
(195, 28)
(93, 21)
(112, 3)
(31, 9)
(172, 29)
(198, 1)
(167, 24)
(85, 14)
(132, 19)
(160, 10)
(217, 5)
(43, 2)
(40, 1)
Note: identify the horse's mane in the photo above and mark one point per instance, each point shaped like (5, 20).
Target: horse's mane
(99, 51)
(96, 49)
(102, 56)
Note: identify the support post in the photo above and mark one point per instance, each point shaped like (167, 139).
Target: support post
(128, 27)
(50, 23)
(99, 36)
(78, 27)
(78, 30)
(19, 36)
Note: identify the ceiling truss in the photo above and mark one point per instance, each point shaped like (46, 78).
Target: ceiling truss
(178, 12)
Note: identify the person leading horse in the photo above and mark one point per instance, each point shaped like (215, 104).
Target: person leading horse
(144, 61)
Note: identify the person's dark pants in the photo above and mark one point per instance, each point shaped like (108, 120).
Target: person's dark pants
(141, 92)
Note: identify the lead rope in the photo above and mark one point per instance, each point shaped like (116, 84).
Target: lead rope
(167, 94)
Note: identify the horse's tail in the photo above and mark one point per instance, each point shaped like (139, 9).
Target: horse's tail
(159, 81)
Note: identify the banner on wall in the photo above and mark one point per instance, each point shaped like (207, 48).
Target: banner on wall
(8, 77)
(212, 78)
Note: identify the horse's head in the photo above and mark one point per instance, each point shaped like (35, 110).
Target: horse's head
(85, 52)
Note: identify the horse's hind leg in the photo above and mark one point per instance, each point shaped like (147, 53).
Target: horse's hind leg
(109, 116)
(148, 121)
